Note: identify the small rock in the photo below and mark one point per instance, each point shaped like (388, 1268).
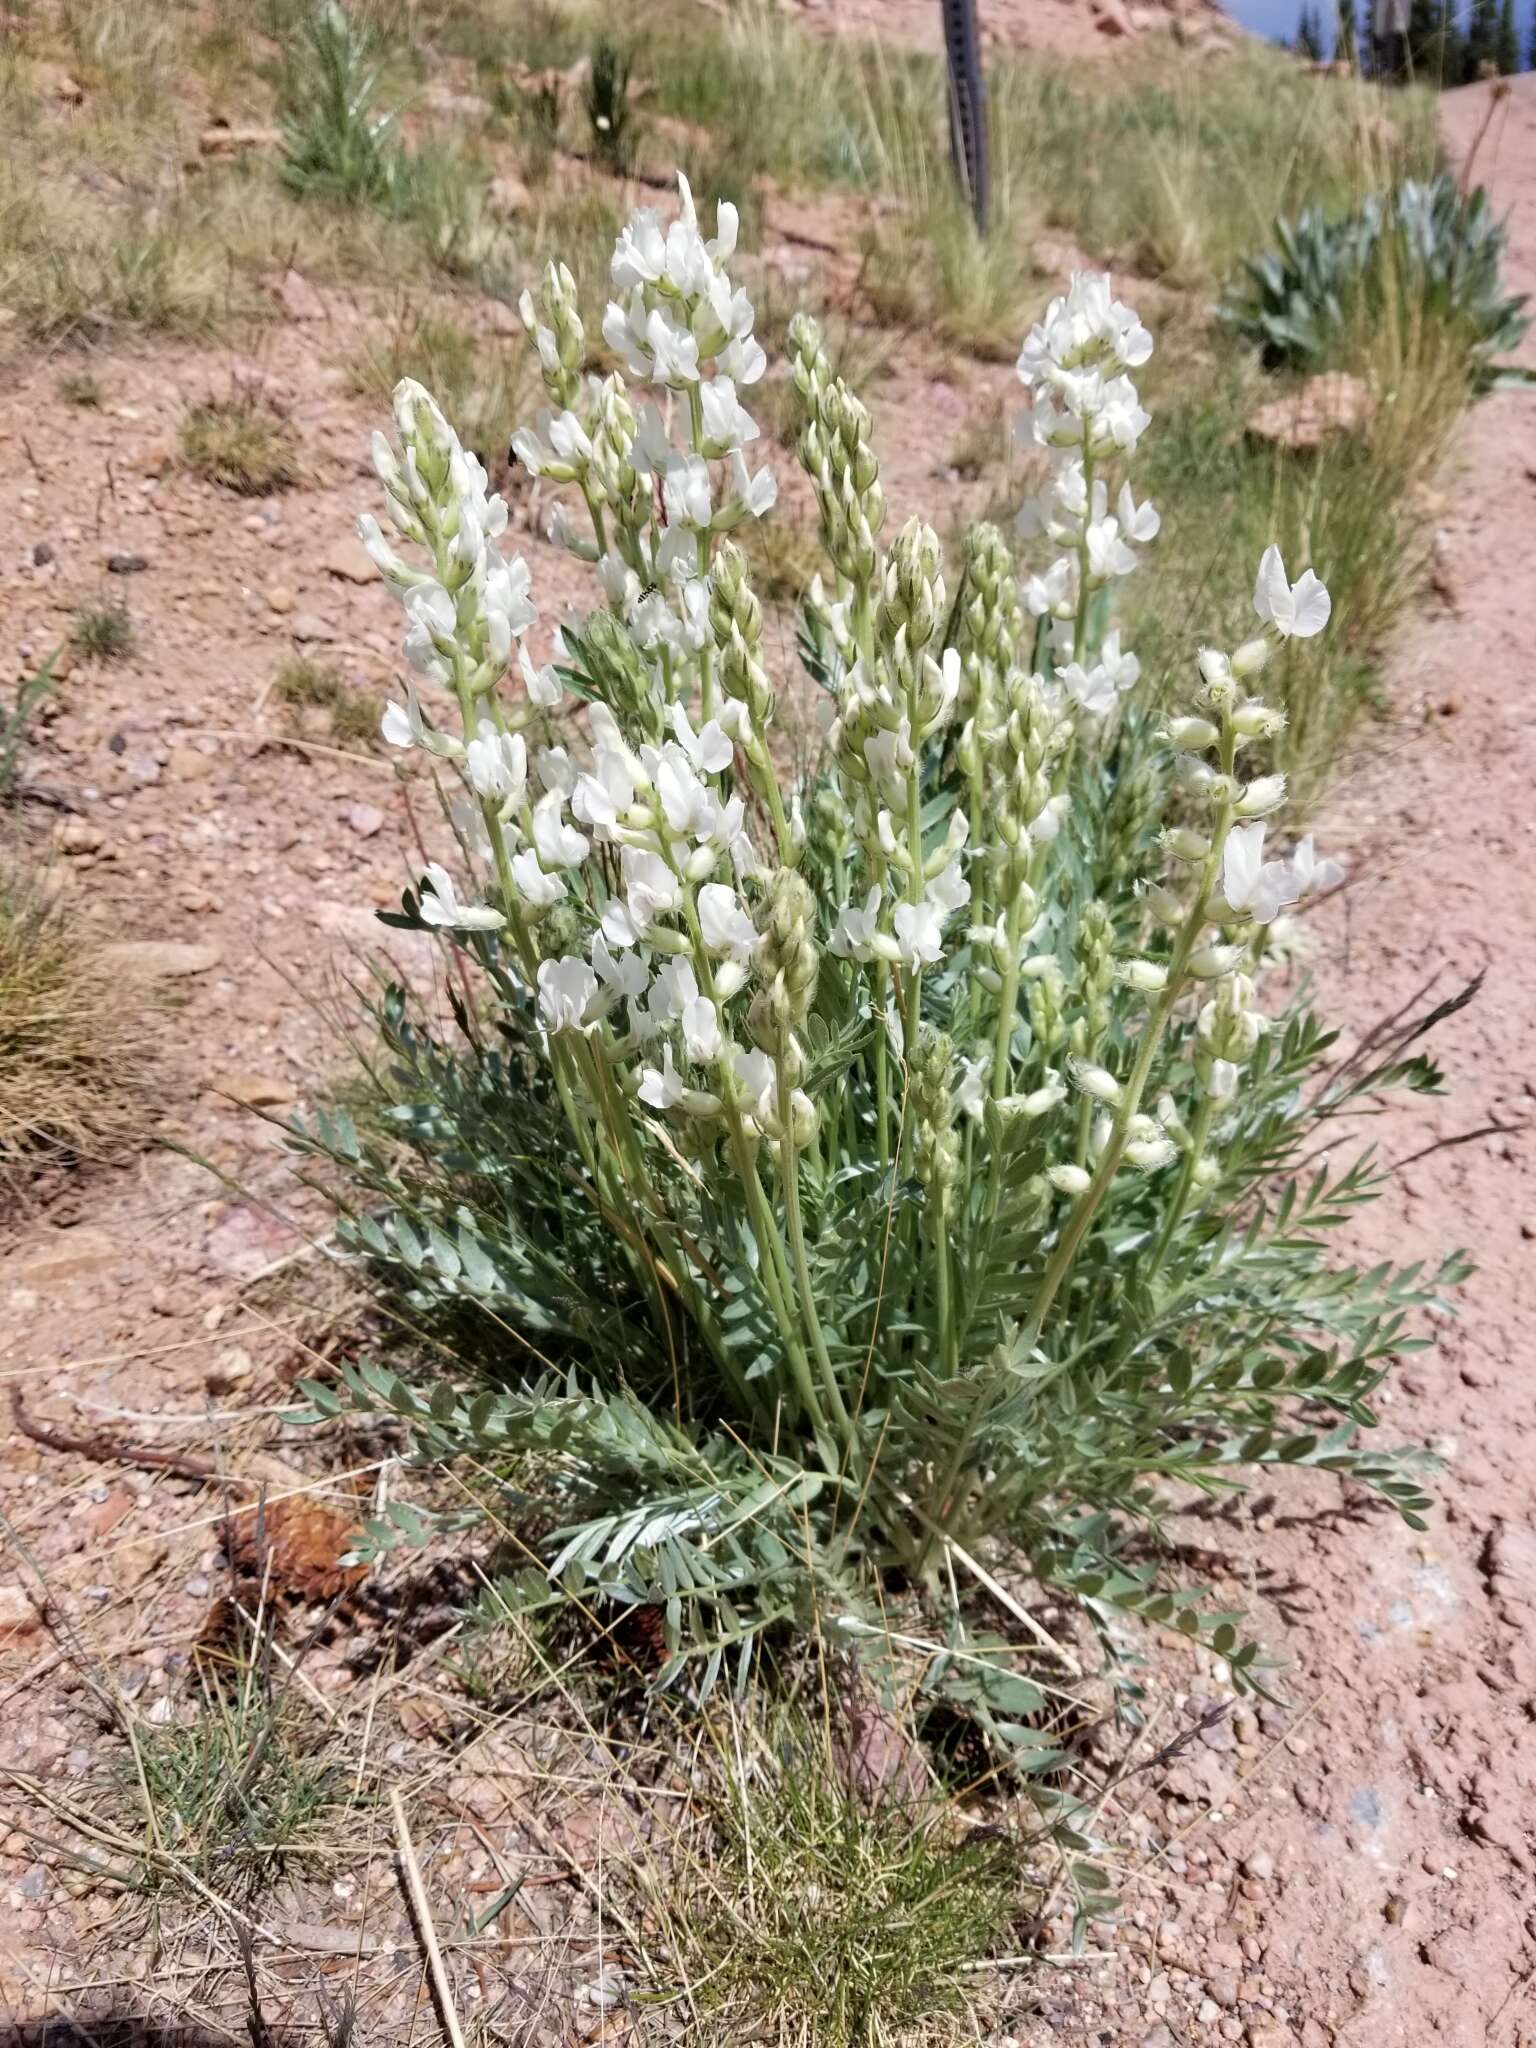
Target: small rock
(157, 459)
(364, 819)
(298, 298)
(79, 836)
(1268, 2032)
(306, 626)
(246, 1240)
(122, 563)
(189, 764)
(1260, 1865)
(351, 561)
(106, 1514)
(1527, 1223)
(160, 959)
(142, 768)
(18, 1614)
(42, 554)
(280, 598)
(1334, 403)
(1222, 1986)
(228, 1369)
(254, 1091)
(1208, 2013)
(64, 662)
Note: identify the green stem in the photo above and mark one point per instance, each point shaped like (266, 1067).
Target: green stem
(789, 1174)
(1008, 1003)
(1130, 1101)
(1199, 1132)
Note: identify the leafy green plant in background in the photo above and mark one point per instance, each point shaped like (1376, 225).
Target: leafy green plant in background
(1429, 248)
(14, 721)
(337, 142)
(839, 1187)
(608, 108)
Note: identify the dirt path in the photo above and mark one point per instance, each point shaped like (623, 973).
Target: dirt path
(1390, 1888)
(1422, 1650)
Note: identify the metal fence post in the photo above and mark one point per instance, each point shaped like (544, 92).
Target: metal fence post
(967, 105)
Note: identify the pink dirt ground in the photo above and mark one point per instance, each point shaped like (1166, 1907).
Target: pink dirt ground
(1369, 1881)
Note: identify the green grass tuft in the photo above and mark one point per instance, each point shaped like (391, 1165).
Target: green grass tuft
(104, 632)
(820, 1922)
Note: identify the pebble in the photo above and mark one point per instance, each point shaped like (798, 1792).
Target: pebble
(1260, 1865)
(364, 819)
(126, 564)
(80, 837)
(42, 554)
(306, 626)
(18, 1613)
(280, 598)
(160, 959)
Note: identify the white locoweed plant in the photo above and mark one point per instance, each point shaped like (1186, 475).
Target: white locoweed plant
(887, 1178)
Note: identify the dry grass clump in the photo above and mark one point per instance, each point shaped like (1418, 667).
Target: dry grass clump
(72, 1049)
(480, 380)
(314, 694)
(241, 443)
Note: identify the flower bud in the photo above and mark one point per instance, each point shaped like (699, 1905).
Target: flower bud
(1192, 735)
(1211, 962)
(1069, 1180)
(1261, 797)
(1256, 721)
(1186, 845)
(1097, 1082)
(1250, 658)
(1147, 977)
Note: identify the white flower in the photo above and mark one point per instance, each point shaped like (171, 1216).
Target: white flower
(566, 988)
(1108, 554)
(1311, 872)
(675, 987)
(542, 684)
(622, 975)
(662, 1087)
(728, 426)
(1296, 610)
(650, 891)
(754, 493)
(949, 890)
(556, 770)
(431, 621)
(406, 727)
(1249, 882)
(725, 926)
(442, 907)
(1221, 1085)
(509, 610)
(559, 845)
(971, 1088)
(1137, 522)
(601, 797)
(497, 764)
(537, 889)
(919, 931)
(853, 934)
(701, 1029)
